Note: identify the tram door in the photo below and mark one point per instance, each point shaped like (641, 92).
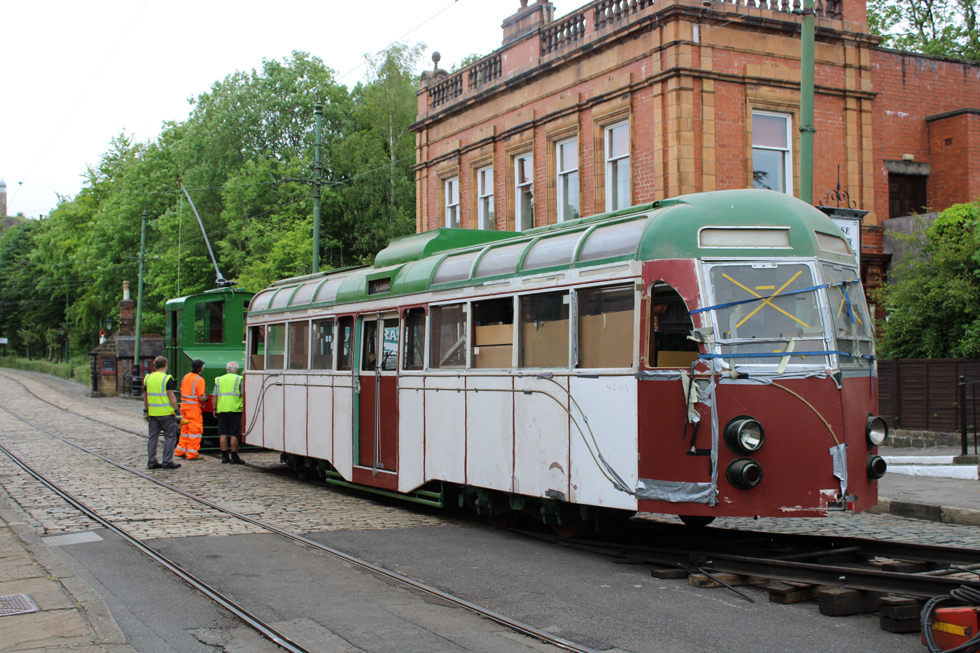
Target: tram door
(377, 438)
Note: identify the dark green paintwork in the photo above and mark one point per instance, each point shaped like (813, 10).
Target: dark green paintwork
(672, 233)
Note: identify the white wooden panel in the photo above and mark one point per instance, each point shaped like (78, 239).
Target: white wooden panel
(610, 405)
(272, 413)
(490, 433)
(411, 433)
(253, 390)
(295, 418)
(541, 437)
(445, 422)
(343, 440)
(319, 437)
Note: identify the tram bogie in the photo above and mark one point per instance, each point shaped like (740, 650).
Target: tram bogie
(705, 356)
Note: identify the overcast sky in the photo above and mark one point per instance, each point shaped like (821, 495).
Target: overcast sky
(75, 74)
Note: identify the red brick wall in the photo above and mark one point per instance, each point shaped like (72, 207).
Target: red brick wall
(954, 152)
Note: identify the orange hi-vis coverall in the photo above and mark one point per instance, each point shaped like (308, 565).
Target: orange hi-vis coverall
(191, 397)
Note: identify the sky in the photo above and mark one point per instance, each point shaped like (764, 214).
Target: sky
(77, 74)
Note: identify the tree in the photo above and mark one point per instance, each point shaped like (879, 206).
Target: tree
(945, 28)
(932, 299)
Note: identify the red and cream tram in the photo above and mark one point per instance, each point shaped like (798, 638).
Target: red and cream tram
(701, 356)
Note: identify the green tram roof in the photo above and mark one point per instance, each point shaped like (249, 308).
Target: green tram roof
(719, 225)
(177, 303)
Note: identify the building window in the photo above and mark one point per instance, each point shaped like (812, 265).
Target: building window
(524, 192)
(772, 160)
(617, 148)
(567, 158)
(484, 199)
(107, 365)
(452, 203)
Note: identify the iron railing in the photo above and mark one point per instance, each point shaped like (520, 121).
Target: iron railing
(964, 427)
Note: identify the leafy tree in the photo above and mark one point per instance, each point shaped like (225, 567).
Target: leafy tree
(938, 27)
(932, 300)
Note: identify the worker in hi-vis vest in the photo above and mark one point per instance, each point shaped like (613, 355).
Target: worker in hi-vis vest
(160, 411)
(228, 410)
(192, 399)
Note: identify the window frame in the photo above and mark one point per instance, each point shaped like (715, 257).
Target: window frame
(519, 189)
(787, 151)
(485, 200)
(453, 219)
(610, 161)
(563, 176)
(333, 342)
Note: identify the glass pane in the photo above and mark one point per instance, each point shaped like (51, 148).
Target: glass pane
(275, 346)
(448, 336)
(345, 334)
(500, 260)
(328, 292)
(751, 238)
(525, 170)
(455, 268)
(618, 141)
(261, 301)
(552, 251)
(569, 193)
(615, 240)
(780, 311)
(768, 170)
(485, 177)
(452, 217)
(833, 244)
(209, 323)
(769, 131)
(544, 330)
(414, 339)
(282, 297)
(305, 293)
(568, 156)
(525, 209)
(493, 333)
(853, 323)
(299, 345)
(369, 347)
(256, 350)
(605, 327)
(322, 344)
(619, 185)
(389, 346)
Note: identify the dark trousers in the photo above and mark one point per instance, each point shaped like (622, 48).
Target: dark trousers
(168, 425)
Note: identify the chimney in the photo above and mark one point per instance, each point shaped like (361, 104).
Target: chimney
(126, 312)
(527, 19)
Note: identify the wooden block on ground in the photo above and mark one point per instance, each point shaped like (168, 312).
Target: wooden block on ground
(667, 573)
(839, 602)
(900, 625)
(785, 594)
(701, 580)
(899, 607)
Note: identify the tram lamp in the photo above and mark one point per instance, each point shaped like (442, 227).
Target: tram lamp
(744, 434)
(876, 466)
(744, 473)
(877, 430)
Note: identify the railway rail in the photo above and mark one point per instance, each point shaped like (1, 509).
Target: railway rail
(249, 619)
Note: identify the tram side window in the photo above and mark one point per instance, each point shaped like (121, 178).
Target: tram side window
(299, 345)
(448, 336)
(209, 323)
(345, 335)
(414, 339)
(544, 330)
(493, 333)
(389, 345)
(256, 352)
(369, 353)
(322, 345)
(669, 325)
(605, 326)
(275, 347)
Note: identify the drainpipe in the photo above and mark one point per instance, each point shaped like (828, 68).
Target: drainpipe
(806, 103)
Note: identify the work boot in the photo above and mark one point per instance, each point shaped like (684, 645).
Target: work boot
(235, 460)
(224, 457)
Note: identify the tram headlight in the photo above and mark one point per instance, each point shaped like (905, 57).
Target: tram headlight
(876, 466)
(744, 473)
(877, 430)
(744, 434)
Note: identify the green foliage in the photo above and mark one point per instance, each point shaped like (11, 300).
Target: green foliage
(246, 156)
(932, 301)
(945, 28)
(64, 370)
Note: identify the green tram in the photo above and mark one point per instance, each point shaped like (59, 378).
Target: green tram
(209, 326)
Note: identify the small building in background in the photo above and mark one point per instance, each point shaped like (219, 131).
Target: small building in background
(111, 363)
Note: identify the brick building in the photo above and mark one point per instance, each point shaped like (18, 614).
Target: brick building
(111, 363)
(623, 102)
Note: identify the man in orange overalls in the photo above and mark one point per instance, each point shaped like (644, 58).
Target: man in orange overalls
(192, 398)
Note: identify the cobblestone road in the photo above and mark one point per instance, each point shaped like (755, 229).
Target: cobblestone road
(149, 511)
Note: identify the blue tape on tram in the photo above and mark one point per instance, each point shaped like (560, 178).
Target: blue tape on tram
(842, 284)
(783, 354)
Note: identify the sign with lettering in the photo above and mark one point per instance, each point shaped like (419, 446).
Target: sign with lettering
(851, 227)
(3, 341)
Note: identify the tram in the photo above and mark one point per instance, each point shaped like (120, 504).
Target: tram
(707, 355)
(209, 326)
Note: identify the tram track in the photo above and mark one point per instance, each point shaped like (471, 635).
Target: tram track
(264, 629)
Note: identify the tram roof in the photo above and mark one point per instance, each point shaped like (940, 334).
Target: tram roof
(722, 224)
(177, 303)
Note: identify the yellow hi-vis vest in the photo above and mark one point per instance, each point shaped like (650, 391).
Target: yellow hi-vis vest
(156, 394)
(229, 391)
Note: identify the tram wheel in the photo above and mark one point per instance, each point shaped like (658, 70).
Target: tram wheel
(696, 521)
(571, 527)
(503, 519)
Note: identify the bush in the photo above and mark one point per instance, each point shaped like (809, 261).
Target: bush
(64, 370)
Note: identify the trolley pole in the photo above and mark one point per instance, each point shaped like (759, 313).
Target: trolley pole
(806, 102)
(136, 392)
(317, 172)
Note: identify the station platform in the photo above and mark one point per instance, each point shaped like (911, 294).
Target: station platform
(935, 484)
